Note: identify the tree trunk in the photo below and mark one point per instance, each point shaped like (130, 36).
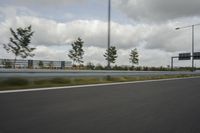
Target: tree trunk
(14, 62)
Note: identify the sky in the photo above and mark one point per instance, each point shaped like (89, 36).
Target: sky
(148, 25)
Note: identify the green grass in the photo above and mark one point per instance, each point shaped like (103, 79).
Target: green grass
(14, 82)
(24, 83)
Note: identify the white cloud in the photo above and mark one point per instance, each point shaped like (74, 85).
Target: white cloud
(94, 32)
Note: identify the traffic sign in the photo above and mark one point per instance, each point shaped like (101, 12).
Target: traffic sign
(196, 56)
(184, 56)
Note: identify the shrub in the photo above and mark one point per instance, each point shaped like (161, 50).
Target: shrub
(14, 82)
(60, 81)
(86, 80)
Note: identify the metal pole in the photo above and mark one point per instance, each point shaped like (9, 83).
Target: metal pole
(109, 16)
(192, 47)
(172, 63)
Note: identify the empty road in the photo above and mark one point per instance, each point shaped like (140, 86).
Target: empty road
(153, 107)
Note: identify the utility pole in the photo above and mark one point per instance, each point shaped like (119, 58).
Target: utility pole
(109, 30)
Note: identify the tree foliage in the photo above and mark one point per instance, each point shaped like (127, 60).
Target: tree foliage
(7, 63)
(41, 64)
(50, 65)
(111, 54)
(134, 57)
(77, 52)
(90, 66)
(19, 42)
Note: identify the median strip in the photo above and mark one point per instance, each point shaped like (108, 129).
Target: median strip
(24, 85)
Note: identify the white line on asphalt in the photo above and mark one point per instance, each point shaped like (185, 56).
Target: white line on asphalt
(93, 85)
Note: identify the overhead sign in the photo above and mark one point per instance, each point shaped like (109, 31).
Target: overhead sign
(196, 56)
(184, 56)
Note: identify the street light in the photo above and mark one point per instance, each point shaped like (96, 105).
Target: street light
(109, 18)
(190, 26)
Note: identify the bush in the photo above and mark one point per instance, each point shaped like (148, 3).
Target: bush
(86, 80)
(115, 79)
(14, 82)
(60, 81)
(41, 82)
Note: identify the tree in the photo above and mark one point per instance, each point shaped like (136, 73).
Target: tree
(99, 67)
(111, 54)
(90, 66)
(19, 43)
(77, 52)
(41, 64)
(7, 63)
(50, 65)
(134, 57)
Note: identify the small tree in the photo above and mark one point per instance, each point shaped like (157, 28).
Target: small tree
(99, 67)
(77, 52)
(50, 65)
(7, 63)
(19, 43)
(111, 54)
(134, 57)
(41, 64)
(90, 66)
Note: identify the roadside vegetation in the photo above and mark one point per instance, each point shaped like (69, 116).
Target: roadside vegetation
(24, 83)
(19, 44)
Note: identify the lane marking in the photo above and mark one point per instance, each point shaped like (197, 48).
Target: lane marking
(93, 85)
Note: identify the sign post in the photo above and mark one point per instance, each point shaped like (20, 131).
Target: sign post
(185, 56)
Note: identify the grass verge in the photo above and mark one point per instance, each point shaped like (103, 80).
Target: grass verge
(24, 83)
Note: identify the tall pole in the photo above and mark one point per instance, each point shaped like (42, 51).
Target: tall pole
(192, 47)
(109, 16)
(172, 63)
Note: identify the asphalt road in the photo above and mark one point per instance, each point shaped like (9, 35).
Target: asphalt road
(153, 107)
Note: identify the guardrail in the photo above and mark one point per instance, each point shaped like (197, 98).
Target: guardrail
(84, 73)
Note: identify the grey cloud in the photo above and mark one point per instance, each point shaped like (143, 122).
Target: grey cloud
(158, 10)
(46, 2)
(166, 38)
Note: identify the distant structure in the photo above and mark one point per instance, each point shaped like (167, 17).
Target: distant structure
(35, 64)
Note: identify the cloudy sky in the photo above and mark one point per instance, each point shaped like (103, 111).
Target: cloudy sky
(148, 25)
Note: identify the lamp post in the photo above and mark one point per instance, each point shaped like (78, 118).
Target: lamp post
(190, 26)
(109, 18)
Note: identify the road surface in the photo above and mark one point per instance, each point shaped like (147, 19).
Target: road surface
(154, 107)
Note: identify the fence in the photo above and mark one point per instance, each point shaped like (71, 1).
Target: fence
(35, 64)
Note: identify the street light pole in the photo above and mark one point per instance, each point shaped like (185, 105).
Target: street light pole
(190, 26)
(192, 47)
(109, 18)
